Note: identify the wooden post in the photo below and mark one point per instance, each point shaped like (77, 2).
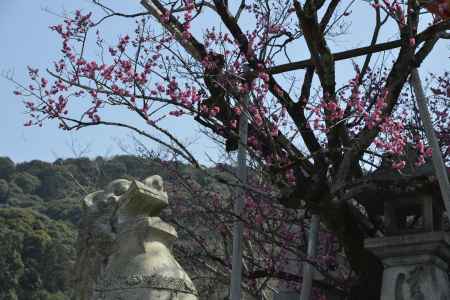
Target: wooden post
(438, 162)
(308, 269)
(236, 271)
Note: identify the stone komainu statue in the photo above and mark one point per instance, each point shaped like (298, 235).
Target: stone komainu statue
(124, 247)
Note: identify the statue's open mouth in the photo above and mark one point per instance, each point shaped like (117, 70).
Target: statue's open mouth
(146, 198)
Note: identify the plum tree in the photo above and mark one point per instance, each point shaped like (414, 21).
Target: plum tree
(316, 140)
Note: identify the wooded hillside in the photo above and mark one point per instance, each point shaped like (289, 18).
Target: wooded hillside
(39, 212)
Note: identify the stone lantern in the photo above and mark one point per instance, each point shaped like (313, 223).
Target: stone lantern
(400, 210)
(414, 250)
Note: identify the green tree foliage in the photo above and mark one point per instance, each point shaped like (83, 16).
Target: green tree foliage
(35, 254)
(4, 190)
(11, 263)
(27, 182)
(25, 201)
(17, 198)
(55, 180)
(67, 210)
(138, 167)
(7, 167)
(85, 171)
(111, 167)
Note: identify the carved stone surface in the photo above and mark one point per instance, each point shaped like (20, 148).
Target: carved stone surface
(415, 265)
(124, 248)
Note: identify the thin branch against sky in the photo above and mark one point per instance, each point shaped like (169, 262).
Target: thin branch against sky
(26, 43)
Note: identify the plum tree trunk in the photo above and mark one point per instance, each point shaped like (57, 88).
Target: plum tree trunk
(368, 268)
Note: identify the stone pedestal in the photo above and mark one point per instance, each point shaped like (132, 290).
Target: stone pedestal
(286, 295)
(415, 265)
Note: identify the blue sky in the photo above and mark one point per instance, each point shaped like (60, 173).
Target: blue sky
(26, 40)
